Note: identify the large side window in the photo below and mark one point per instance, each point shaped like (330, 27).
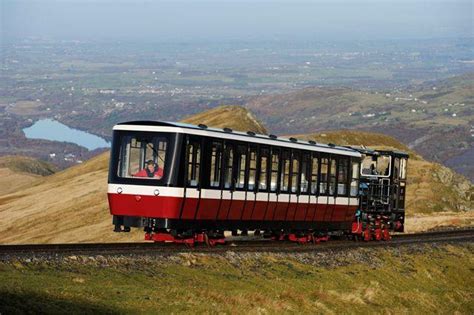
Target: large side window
(194, 163)
(285, 171)
(355, 179)
(216, 164)
(342, 176)
(274, 170)
(228, 165)
(263, 168)
(241, 166)
(252, 168)
(305, 173)
(314, 174)
(295, 172)
(323, 184)
(332, 177)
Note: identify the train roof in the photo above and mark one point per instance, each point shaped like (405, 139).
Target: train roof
(381, 152)
(244, 136)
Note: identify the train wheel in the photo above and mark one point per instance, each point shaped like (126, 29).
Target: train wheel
(207, 241)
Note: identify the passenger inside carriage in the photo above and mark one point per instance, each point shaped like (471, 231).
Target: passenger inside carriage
(142, 157)
(152, 170)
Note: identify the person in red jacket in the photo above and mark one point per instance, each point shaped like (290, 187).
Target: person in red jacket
(151, 171)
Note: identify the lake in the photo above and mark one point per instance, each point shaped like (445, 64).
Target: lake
(53, 130)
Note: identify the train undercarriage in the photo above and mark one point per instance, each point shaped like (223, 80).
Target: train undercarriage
(366, 227)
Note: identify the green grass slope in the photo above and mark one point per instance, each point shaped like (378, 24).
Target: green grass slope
(434, 279)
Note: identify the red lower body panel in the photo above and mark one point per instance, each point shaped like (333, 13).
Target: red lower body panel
(212, 209)
(236, 208)
(259, 210)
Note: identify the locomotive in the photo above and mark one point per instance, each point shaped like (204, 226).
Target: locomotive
(185, 184)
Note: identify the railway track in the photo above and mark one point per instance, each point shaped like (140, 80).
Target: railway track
(258, 245)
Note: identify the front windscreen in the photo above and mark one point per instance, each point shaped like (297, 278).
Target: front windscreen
(143, 156)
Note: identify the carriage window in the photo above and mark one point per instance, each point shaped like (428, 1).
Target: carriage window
(403, 168)
(396, 168)
(143, 157)
(216, 164)
(383, 165)
(305, 173)
(332, 178)
(285, 171)
(194, 164)
(295, 170)
(373, 165)
(241, 165)
(274, 172)
(229, 160)
(355, 179)
(252, 168)
(323, 185)
(342, 176)
(314, 175)
(262, 181)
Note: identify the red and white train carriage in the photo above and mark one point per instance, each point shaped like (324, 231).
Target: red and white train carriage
(212, 180)
(187, 183)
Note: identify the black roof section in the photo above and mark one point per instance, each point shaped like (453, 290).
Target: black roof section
(381, 152)
(253, 135)
(239, 133)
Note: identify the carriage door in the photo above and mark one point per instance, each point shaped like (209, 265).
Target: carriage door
(228, 181)
(332, 192)
(192, 191)
(251, 195)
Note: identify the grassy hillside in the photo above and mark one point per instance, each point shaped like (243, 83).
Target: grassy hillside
(68, 206)
(19, 172)
(435, 279)
(28, 165)
(235, 117)
(71, 206)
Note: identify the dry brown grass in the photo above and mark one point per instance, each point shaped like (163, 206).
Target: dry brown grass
(70, 206)
(234, 117)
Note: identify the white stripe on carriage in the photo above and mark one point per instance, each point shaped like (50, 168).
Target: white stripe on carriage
(144, 190)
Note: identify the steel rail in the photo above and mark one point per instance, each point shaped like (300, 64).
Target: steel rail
(257, 245)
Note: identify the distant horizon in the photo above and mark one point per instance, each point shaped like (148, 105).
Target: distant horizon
(218, 21)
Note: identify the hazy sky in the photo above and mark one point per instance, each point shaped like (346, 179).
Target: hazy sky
(231, 19)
